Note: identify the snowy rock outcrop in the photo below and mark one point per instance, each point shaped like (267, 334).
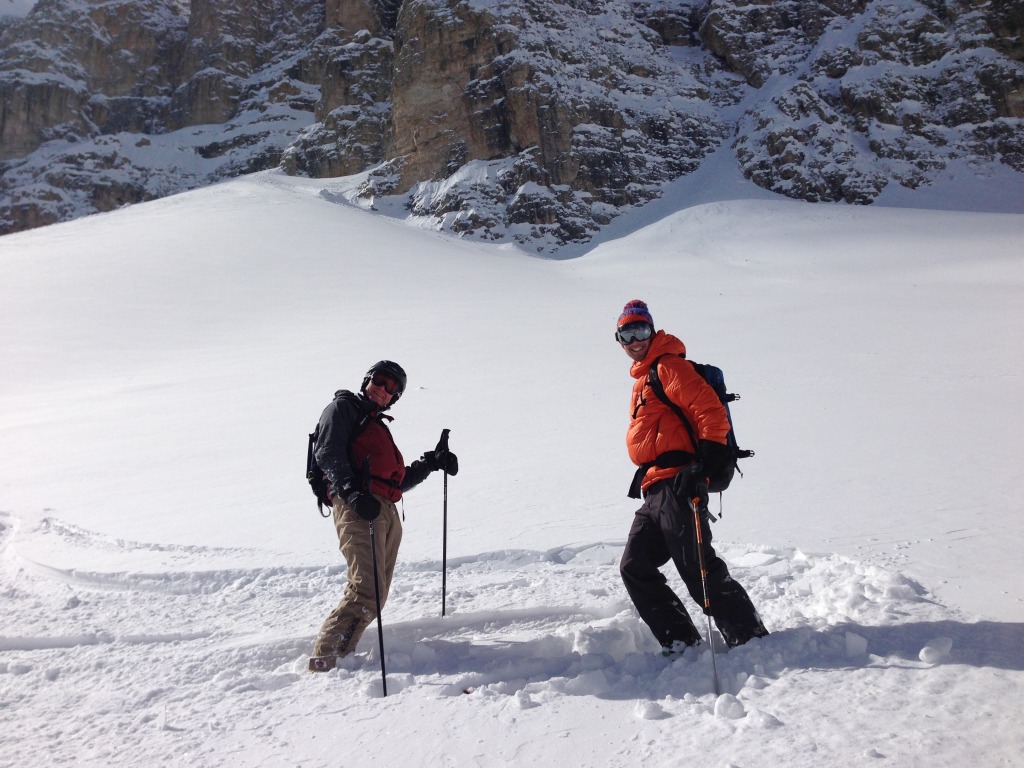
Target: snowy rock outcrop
(542, 119)
(917, 83)
(539, 120)
(114, 102)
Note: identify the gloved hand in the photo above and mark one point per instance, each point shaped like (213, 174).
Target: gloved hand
(441, 458)
(364, 505)
(446, 460)
(689, 485)
(715, 457)
(699, 496)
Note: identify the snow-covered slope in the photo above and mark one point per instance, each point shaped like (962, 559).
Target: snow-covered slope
(163, 568)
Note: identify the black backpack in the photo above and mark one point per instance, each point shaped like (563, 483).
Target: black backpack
(315, 476)
(716, 380)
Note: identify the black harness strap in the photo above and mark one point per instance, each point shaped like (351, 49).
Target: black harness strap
(664, 460)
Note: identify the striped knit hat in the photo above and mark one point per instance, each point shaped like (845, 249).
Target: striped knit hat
(635, 311)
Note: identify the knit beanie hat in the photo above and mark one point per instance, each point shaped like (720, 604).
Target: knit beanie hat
(635, 311)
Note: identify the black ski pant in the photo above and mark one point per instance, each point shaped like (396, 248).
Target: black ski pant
(663, 529)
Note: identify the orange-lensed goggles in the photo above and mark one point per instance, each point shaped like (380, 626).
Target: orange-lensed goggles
(390, 385)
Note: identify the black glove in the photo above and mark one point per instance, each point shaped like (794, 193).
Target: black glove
(364, 505)
(689, 485)
(442, 458)
(716, 457)
(699, 496)
(446, 460)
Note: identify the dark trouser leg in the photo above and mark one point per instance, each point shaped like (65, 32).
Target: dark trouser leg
(730, 606)
(657, 604)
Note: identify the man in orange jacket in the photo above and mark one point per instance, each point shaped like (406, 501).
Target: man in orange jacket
(672, 478)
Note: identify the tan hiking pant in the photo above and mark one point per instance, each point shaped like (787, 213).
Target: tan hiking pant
(358, 607)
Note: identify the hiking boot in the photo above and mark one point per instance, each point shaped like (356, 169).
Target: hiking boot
(733, 639)
(322, 663)
(676, 648)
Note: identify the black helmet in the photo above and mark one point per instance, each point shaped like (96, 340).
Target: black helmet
(394, 370)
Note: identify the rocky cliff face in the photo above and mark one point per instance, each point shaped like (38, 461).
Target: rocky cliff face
(919, 84)
(540, 119)
(107, 102)
(535, 119)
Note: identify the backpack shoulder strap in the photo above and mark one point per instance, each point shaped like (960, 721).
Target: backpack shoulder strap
(654, 380)
(361, 423)
(669, 458)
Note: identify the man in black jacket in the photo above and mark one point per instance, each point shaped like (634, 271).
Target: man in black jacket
(365, 475)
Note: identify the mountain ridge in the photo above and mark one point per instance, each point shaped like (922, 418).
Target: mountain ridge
(537, 122)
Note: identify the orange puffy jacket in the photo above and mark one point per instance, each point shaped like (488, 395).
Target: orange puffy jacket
(653, 427)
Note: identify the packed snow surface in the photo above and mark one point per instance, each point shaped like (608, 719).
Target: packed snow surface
(163, 568)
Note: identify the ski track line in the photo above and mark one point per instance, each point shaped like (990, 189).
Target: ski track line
(98, 638)
(175, 582)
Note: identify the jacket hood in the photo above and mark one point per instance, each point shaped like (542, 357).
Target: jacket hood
(661, 344)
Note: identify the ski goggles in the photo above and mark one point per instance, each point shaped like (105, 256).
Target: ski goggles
(390, 385)
(631, 332)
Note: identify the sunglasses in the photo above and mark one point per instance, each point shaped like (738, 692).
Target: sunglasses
(383, 380)
(631, 332)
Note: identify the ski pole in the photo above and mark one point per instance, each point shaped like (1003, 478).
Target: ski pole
(696, 503)
(443, 444)
(376, 584)
(380, 624)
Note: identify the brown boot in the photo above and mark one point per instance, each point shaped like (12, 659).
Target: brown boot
(322, 663)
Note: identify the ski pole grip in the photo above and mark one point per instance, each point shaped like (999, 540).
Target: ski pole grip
(445, 459)
(442, 444)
